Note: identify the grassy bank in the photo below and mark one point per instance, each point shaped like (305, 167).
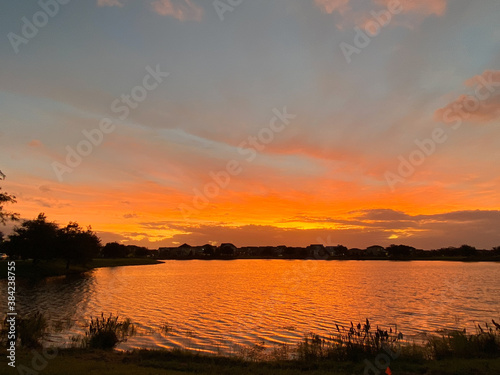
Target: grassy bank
(26, 268)
(358, 349)
(149, 362)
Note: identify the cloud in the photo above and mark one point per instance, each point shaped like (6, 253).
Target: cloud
(361, 13)
(45, 188)
(425, 7)
(109, 3)
(482, 106)
(35, 143)
(182, 10)
(330, 6)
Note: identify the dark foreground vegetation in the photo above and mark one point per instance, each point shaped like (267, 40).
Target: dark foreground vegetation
(358, 349)
(178, 362)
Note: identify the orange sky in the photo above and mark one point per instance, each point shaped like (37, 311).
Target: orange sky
(294, 122)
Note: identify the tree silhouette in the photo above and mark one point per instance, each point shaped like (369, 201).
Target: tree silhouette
(36, 239)
(114, 250)
(76, 245)
(400, 251)
(6, 215)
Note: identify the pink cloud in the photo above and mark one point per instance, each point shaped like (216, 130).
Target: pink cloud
(329, 6)
(183, 10)
(362, 15)
(483, 105)
(35, 143)
(425, 7)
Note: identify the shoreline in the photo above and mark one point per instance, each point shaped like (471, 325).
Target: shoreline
(26, 268)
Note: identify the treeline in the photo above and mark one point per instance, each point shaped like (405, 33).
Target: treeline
(117, 250)
(40, 239)
(43, 240)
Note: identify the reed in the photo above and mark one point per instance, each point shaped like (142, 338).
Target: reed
(106, 332)
(349, 343)
(32, 329)
(485, 343)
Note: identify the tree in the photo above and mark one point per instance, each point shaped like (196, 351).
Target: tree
(6, 215)
(114, 250)
(76, 245)
(467, 250)
(400, 251)
(36, 239)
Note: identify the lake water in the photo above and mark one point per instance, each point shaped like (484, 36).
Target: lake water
(221, 305)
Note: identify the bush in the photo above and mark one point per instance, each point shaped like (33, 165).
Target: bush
(349, 344)
(32, 330)
(106, 333)
(458, 344)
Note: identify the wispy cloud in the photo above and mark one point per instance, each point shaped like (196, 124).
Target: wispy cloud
(330, 6)
(425, 7)
(482, 105)
(183, 10)
(357, 13)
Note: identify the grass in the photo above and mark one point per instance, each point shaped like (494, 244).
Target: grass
(160, 362)
(106, 333)
(345, 352)
(26, 268)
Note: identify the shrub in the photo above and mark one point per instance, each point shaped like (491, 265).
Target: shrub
(458, 344)
(349, 344)
(106, 333)
(32, 329)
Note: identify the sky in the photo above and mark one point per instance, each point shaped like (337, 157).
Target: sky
(284, 122)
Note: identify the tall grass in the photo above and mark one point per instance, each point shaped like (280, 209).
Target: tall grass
(485, 343)
(352, 343)
(106, 332)
(358, 342)
(30, 331)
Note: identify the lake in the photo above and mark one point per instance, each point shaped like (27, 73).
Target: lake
(218, 306)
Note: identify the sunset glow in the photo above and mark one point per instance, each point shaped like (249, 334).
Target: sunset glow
(201, 127)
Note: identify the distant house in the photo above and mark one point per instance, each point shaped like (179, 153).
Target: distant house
(253, 251)
(375, 251)
(181, 251)
(336, 251)
(184, 250)
(267, 251)
(196, 252)
(208, 250)
(280, 250)
(355, 252)
(316, 251)
(227, 249)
